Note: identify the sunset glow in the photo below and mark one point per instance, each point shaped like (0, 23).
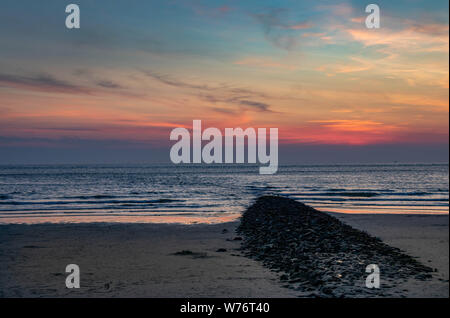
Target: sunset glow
(313, 71)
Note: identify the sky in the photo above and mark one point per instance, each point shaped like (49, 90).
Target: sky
(113, 90)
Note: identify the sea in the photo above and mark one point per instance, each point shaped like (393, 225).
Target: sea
(169, 193)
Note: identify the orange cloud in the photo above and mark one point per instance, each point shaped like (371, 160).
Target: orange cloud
(358, 20)
(412, 38)
(411, 99)
(328, 136)
(355, 125)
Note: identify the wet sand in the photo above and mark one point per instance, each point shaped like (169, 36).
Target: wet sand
(130, 260)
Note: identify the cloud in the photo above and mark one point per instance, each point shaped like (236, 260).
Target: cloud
(242, 101)
(421, 100)
(226, 111)
(342, 131)
(436, 29)
(257, 105)
(42, 82)
(165, 79)
(353, 125)
(66, 129)
(104, 83)
(358, 20)
(416, 53)
(278, 32)
(171, 81)
(418, 38)
(108, 84)
(222, 93)
(356, 65)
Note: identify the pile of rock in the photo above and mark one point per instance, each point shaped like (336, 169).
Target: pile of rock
(319, 255)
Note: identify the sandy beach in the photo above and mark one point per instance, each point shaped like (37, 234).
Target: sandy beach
(130, 260)
(170, 260)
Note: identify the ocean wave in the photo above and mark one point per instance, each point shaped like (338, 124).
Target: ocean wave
(358, 190)
(356, 199)
(373, 204)
(90, 202)
(87, 197)
(362, 193)
(350, 194)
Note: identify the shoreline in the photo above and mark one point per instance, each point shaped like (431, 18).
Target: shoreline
(141, 260)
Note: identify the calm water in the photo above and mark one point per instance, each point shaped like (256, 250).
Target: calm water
(188, 194)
